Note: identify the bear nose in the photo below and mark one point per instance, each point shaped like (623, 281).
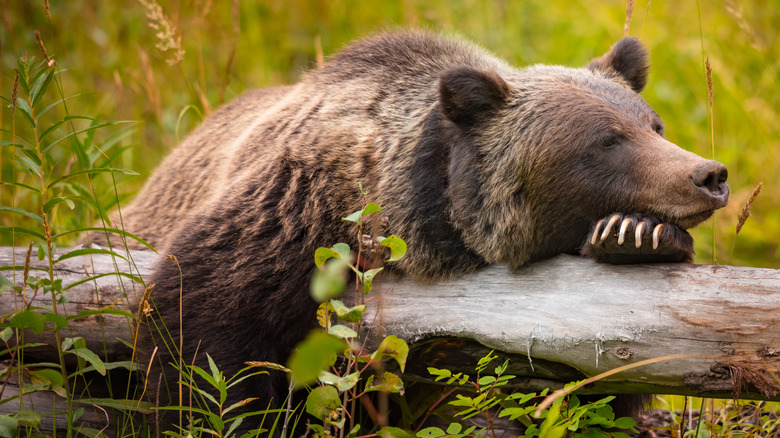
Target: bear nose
(710, 177)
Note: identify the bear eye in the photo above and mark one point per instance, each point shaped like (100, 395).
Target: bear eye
(611, 141)
(659, 129)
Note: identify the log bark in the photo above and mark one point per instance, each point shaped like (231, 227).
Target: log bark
(559, 320)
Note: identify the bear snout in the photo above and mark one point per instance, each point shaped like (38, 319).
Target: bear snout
(710, 177)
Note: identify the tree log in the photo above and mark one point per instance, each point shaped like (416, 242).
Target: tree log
(559, 320)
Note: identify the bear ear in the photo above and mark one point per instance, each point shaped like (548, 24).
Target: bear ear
(468, 95)
(629, 59)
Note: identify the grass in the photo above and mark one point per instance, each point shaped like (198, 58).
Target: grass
(169, 64)
(225, 49)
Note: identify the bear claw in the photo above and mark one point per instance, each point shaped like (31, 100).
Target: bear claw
(623, 228)
(638, 234)
(654, 241)
(657, 235)
(608, 229)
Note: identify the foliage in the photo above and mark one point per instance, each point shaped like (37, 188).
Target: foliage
(343, 382)
(56, 164)
(564, 418)
(212, 419)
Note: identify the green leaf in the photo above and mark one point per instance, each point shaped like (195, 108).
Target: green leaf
(7, 332)
(22, 212)
(389, 382)
(368, 209)
(205, 376)
(394, 432)
(24, 186)
(625, 423)
(60, 322)
(29, 166)
(90, 128)
(342, 331)
(323, 313)
(8, 143)
(8, 426)
(90, 357)
(92, 172)
(20, 230)
(43, 250)
(322, 255)
(69, 342)
(87, 251)
(5, 284)
(354, 217)
(341, 383)
(28, 418)
(28, 319)
(486, 380)
(343, 249)
(67, 118)
(314, 354)
(239, 404)
(107, 230)
(347, 314)
(125, 364)
(22, 105)
(514, 413)
(394, 347)
(454, 428)
(143, 407)
(203, 393)
(368, 279)
(431, 432)
(322, 401)
(103, 311)
(54, 201)
(397, 247)
(108, 274)
(39, 87)
(329, 282)
(52, 377)
(33, 157)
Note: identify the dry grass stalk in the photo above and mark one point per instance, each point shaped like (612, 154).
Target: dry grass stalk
(50, 61)
(46, 8)
(14, 94)
(169, 39)
(743, 24)
(629, 13)
(708, 68)
(152, 93)
(744, 214)
(318, 51)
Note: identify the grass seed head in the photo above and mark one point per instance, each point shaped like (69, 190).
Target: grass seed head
(169, 39)
(744, 214)
(710, 88)
(629, 13)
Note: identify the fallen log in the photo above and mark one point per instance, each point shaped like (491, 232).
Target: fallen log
(559, 320)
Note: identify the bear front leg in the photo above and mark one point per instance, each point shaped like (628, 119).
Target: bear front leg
(621, 239)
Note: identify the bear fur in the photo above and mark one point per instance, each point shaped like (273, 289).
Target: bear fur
(474, 161)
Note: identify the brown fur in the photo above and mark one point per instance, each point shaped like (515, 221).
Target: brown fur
(475, 162)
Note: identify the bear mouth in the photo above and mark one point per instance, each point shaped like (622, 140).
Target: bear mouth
(692, 220)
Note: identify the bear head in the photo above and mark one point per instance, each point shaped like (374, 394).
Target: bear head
(538, 155)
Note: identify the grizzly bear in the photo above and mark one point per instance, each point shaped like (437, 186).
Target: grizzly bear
(474, 161)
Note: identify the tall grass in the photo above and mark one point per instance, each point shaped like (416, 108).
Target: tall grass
(226, 49)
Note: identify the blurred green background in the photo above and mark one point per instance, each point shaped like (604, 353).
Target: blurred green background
(109, 47)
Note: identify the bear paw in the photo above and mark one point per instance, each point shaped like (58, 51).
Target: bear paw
(621, 239)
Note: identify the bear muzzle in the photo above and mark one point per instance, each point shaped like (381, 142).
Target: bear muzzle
(709, 178)
(708, 181)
